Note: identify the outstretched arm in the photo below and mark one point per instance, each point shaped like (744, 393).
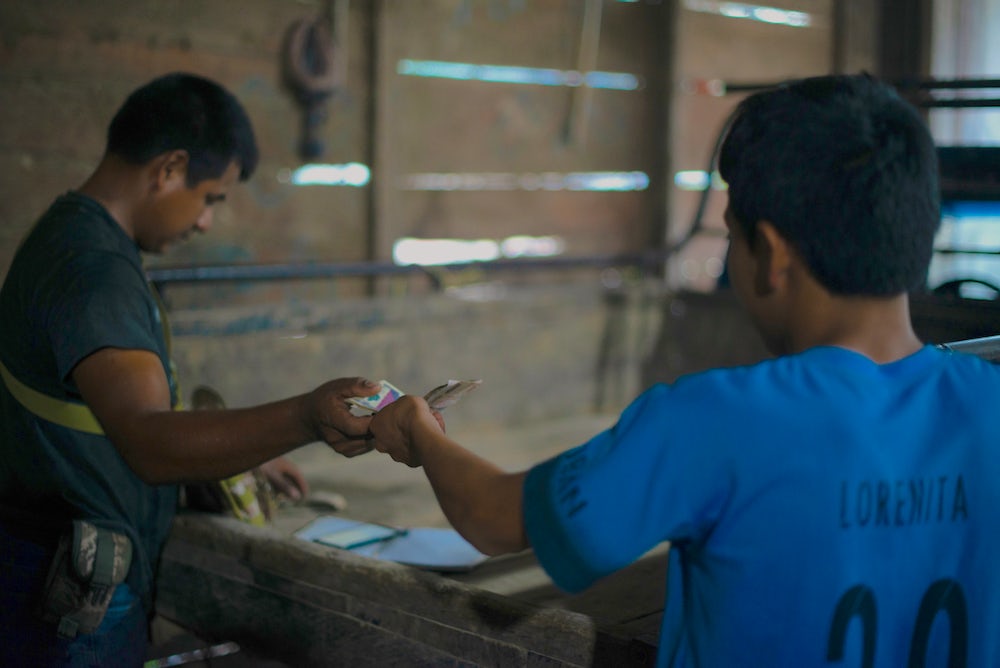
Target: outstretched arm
(483, 502)
(128, 392)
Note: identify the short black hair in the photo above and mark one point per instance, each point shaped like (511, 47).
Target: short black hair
(846, 170)
(187, 112)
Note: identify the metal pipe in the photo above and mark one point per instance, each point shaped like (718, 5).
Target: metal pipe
(951, 84)
(903, 84)
(987, 347)
(312, 270)
(726, 87)
(959, 103)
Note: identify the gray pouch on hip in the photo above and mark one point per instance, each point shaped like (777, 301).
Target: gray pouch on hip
(89, 563)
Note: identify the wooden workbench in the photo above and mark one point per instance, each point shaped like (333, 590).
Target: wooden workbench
(309, 605)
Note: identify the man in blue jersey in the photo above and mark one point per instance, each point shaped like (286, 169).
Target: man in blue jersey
(87, 430)
(835, 505)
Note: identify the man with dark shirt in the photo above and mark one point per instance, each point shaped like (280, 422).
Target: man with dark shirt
(87, 426)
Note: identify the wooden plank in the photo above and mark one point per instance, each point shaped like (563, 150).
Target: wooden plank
(315, 606)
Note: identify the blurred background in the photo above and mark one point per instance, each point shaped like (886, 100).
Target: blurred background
(521, 191)
(518, 191)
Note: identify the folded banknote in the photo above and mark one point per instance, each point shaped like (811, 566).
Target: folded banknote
(438, 399)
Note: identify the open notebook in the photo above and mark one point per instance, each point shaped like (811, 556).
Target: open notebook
(423, 547)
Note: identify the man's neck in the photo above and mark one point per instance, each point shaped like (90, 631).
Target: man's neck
(116, 185)
(877, 327)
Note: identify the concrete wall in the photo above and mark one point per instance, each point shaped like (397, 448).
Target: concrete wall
(65, 67)
(542, 352)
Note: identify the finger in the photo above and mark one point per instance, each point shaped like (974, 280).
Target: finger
(353, 448)
(360, 387)
(440, 419)
(360, 451)
(298, 488)
(353, 427)
(289, 486)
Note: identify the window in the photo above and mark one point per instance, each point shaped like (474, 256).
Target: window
(967, 261)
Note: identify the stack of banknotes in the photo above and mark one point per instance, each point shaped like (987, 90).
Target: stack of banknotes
(438, 399)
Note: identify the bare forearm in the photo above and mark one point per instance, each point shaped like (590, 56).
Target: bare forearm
(128, 392)
(175, 446)
(482, 502)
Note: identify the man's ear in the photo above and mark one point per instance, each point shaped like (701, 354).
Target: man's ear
(171, 169)
(773, 256)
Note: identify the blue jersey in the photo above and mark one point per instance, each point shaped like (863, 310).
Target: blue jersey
(822, 510)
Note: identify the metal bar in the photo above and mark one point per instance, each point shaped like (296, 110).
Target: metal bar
(272, 272)
(313, 270)
(965, 251)
(951, 84)
(957, 103)
(727, 87)
(902, 84)
(987, 347)
(205, 654)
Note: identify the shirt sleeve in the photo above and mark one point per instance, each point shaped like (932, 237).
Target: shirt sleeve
(596, 508)
(102, 303)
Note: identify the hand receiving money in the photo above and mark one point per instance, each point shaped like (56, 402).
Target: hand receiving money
(438, 399)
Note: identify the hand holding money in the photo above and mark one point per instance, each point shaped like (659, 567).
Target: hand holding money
(438, 399)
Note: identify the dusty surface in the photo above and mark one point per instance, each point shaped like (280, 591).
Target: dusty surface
(380, 490)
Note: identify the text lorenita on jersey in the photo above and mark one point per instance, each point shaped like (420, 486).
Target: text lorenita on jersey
(898, 503)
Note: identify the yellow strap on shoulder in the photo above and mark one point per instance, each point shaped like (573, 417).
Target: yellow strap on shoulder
(74, 414)
(62, 412)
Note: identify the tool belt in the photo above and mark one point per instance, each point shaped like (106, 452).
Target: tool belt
(89, 563)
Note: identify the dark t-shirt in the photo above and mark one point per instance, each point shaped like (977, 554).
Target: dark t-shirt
(76, 285)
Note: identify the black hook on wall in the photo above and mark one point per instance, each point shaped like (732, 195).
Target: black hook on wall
(312, 71)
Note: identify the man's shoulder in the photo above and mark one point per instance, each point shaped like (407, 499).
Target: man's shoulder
(716, 378)
(74, 223)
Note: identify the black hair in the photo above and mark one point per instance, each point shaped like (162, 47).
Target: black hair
(187, 112)
(846, 171)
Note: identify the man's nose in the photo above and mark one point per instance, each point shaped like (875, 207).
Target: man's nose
(204, 221)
